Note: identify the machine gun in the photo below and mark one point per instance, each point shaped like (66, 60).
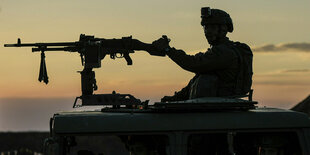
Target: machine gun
(92, 50)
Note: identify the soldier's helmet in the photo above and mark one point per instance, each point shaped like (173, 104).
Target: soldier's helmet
(216, 16)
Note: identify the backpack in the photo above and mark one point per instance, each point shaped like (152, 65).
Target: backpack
(245, 73)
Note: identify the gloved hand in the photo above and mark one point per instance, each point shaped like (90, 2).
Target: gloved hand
(161, 46)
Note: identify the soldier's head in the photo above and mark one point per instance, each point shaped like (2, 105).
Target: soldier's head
(216, 23)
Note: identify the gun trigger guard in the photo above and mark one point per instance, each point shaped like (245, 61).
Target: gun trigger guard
(121, 55)
(112, 56)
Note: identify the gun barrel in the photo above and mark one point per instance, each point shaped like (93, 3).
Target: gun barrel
(41, 44)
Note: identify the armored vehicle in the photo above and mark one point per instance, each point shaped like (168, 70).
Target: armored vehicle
(212, 126)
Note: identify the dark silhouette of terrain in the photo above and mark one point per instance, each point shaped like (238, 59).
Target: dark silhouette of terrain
(303, 106)
(29, 143)
(22, 141)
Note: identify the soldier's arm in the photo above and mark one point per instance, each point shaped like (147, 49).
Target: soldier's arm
(204, 62)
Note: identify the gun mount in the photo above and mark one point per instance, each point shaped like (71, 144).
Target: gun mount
(92, 50)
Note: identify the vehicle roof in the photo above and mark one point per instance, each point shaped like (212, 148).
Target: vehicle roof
(130, 121)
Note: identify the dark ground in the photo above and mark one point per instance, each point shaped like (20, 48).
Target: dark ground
(23, 141)
(29, 143)
(303, 106)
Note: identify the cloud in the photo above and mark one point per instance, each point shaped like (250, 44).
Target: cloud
(288, 77)
(296, 71)
(285, 72)
(303, 47)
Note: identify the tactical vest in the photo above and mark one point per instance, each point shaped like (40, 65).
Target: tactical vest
(245, 73)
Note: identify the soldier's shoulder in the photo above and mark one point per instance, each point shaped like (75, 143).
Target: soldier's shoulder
(242, 45)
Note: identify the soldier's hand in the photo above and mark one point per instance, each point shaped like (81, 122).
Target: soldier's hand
(161, 45)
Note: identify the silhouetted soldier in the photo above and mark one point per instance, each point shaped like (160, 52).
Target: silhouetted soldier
(224, 70)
